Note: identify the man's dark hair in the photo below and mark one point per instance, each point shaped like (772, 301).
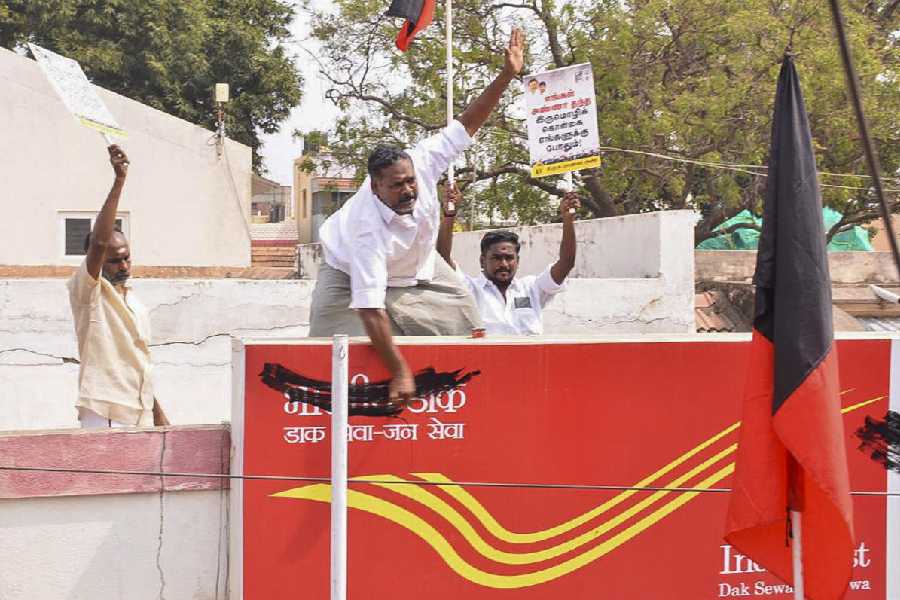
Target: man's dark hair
(384, 156)
(498, 237)
(87, 238)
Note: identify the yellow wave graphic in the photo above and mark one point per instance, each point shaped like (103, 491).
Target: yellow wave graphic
(497, 530)
(468, 532)
(859, 405)
(431, 536)
(500, 532)
(420, 527)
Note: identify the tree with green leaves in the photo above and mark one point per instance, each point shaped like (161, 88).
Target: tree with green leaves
(689, 80)
(170, 53)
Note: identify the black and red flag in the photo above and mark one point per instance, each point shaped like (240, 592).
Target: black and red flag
(791, 454)
(418, 15)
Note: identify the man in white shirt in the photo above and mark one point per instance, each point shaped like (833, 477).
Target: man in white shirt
(380, 275)
(511, 305)
(113, 328)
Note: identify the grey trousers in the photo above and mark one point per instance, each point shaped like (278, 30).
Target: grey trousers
(441, 306)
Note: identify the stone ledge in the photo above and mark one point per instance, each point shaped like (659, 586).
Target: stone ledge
(153, 272)
(180, 449)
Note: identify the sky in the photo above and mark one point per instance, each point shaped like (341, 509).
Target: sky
(315, 111)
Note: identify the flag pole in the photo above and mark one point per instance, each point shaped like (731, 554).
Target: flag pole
(449, 19)
(797, 553)
(339, 400)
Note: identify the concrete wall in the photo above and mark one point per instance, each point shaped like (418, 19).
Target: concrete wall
(648, 245)
(193, 321)
(115, 537)
(185, 205)
(632, 274)
(845, 267)
(128, 547)
(617, 247)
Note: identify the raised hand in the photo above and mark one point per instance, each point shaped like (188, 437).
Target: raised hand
(515, 52)
(452, 198)
(570, 203)
(119, 161)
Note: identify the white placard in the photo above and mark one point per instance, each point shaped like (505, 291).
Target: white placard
(76, 92)
(562, 120)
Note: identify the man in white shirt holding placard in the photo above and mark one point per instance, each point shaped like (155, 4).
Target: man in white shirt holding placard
(511, 305)
(380, 274)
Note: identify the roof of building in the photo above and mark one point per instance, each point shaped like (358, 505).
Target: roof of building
(880, 323)
(286, 230)
(713, 313)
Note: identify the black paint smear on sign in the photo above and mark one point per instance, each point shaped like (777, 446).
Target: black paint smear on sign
(370, 399)
(881, 440)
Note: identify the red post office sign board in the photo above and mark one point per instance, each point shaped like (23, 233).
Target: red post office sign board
(644, 414)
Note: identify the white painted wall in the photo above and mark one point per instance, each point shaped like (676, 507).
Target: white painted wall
(193, 320)
(657, 244)
(616, 247)
(192, 323)
(115, 547)
(185, 205)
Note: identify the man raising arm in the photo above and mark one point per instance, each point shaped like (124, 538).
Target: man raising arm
(112, 326)
(509, 305)
(379, 246)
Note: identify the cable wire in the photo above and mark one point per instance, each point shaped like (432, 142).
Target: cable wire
(352, 481)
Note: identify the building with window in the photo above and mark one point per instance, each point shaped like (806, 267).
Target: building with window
(186, 202)
(321, 185)
(270, 202)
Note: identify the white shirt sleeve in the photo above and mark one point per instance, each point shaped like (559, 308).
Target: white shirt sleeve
(465, 279)
(368, 272)
(83, 289)
(546, 287)
(436, 152)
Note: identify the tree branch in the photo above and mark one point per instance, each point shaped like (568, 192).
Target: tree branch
(715, 217)
(600, 202)
(552, 35)
(846, 223)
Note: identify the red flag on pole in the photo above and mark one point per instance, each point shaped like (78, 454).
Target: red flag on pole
(792, 453)
(418, 15)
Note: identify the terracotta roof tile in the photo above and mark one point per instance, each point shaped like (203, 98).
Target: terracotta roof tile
(713, 313)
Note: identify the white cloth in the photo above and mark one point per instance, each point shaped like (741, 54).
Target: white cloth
(377, 247)
(91, 420)
(521, 312)
(113, 333)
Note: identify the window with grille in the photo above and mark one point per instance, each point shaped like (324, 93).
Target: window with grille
(75, 227)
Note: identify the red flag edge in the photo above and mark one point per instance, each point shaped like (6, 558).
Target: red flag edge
(809, 428)
(409, 31)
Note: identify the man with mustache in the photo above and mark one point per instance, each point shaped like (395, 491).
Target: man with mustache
(511, 305)
(112, 326)
(380, 275)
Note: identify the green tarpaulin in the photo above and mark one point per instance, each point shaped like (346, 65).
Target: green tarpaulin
(746, 238)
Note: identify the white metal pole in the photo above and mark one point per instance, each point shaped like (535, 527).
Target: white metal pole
(449, 20)
(797, 553)
(339, 393)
